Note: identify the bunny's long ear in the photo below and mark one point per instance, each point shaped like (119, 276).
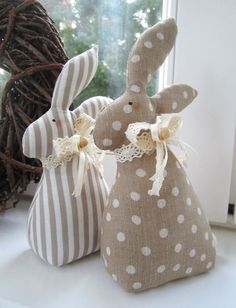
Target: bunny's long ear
(93, 106)
(149, 52)
(75, 76)
(173, 99)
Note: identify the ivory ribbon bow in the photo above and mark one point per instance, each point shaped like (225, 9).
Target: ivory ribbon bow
(161, 134)
(82, 145)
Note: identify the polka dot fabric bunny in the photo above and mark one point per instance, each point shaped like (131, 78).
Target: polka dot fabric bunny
(149, 240)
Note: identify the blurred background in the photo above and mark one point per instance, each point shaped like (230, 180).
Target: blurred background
(113, 25)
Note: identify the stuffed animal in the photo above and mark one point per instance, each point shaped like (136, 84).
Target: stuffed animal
(154, 229)
(65, 216)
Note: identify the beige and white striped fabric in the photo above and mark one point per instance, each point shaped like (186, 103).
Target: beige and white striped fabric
(76, 76)
(93, 106)
(63, 228)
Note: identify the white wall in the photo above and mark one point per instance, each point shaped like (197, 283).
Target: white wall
(233, 179)
(205, 58)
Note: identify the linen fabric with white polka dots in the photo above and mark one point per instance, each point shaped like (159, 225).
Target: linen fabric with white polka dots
(147, 241)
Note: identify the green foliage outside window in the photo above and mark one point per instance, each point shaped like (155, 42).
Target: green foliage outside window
(112, 24)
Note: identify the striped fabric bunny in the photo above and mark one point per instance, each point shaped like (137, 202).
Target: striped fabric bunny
(154, 229)
(61, 227)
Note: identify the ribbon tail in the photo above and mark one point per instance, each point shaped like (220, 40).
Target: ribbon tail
(97, 158)
(98, 163)
(161, 161)
(183, 158)
(81, 173)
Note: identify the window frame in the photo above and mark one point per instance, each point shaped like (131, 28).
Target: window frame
(166, 75)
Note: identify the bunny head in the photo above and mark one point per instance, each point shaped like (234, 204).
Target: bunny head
(147, 55)
(59, 121)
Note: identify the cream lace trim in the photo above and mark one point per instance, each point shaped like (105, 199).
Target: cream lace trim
(52, 161)
(130, 152)
(155, 137)
(81, 144)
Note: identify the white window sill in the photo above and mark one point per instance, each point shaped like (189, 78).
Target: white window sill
(26, 281)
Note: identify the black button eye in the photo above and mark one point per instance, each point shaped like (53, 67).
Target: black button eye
(130, 103)
(53, 120)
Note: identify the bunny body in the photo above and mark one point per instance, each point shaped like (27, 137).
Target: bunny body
(149, 240)
(61, 227)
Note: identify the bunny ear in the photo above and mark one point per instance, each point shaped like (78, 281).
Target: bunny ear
(75, 76)
(93, 106)
(149, 52)
(174, 99)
